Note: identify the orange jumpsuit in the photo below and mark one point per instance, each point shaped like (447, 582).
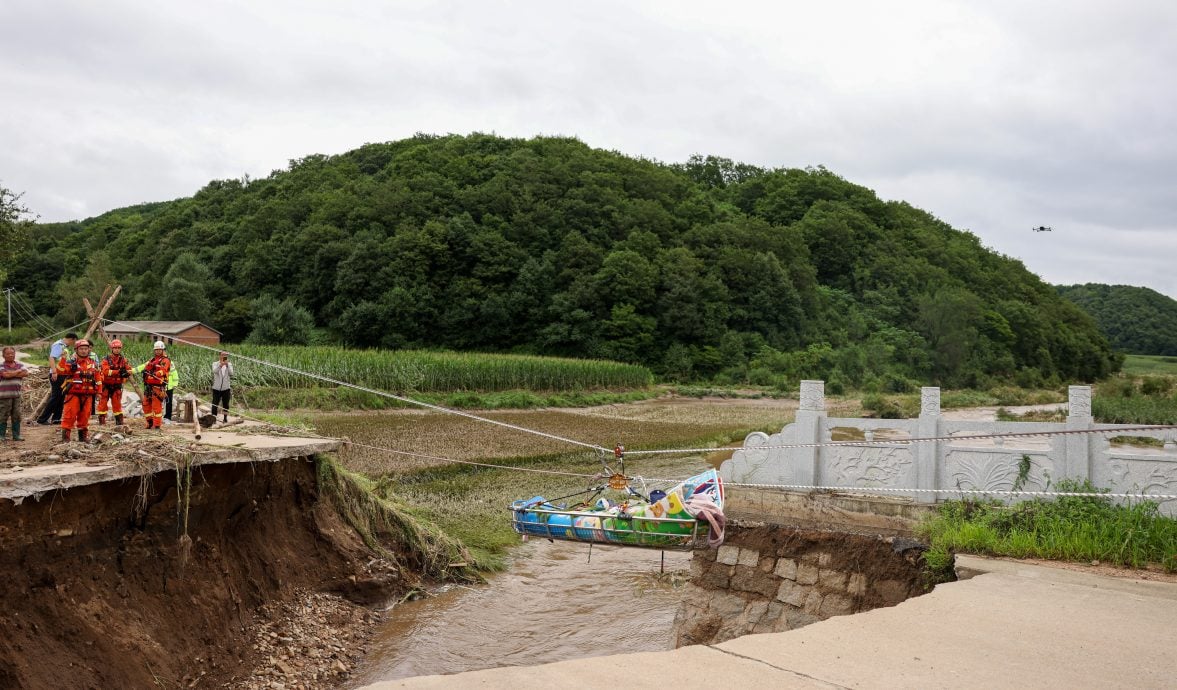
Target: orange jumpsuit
(115, 371)
(155, 390)
(80, 379)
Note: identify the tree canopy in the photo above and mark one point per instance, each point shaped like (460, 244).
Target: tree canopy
(706, 269)
(1136, 320)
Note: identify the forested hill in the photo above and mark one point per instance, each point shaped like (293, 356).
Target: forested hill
(1136, 320)
(705, 269)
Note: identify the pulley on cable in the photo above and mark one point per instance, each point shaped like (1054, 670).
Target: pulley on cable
(686, 516)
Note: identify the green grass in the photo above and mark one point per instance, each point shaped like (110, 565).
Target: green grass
(1137, 365)
(907, 405)
(1149, 399)
(18, 335)
(337, 398)
(1068, 528)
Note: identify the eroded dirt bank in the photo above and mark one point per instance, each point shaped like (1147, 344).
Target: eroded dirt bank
(124, 584)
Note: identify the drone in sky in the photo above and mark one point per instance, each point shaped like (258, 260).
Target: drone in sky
(1042, 228)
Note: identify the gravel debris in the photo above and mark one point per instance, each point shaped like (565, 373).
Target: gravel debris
(313, 640)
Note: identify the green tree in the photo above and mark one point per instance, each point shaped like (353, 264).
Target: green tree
(280, 323)
(183, 290)
(90, 283)
(950, 321)
(14, 225)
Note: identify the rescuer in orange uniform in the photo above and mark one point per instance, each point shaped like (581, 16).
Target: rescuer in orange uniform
(80, 377)
(116, 370)
(155, 385)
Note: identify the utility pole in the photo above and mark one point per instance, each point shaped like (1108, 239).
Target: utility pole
(8, 294)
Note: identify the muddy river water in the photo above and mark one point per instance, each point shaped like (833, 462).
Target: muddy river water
(555, 602)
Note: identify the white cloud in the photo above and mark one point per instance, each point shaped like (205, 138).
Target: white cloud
(993, 116)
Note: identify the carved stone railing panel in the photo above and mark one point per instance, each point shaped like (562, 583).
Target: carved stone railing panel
(941, 469)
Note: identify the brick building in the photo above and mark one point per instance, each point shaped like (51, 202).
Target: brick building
(168, 331)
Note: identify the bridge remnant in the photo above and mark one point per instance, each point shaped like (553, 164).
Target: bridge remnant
(883, 462)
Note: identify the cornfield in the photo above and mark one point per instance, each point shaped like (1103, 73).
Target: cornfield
(396, 370)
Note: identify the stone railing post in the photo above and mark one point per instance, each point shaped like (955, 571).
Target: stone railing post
(809, 416)
(927, 455)
(1078, 460)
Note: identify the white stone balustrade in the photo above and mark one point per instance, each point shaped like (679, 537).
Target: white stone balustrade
(940, 469)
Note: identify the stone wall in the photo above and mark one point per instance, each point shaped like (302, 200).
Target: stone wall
(770, 578)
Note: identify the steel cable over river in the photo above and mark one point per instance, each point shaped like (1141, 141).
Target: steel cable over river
(688, 451)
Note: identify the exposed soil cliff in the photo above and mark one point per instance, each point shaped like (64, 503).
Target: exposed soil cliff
(162, 582)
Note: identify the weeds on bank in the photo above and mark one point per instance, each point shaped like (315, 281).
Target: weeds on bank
(1136, 400)
(907, 405)
(389, 529)
(1069, 528)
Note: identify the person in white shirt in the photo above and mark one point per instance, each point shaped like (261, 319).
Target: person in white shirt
(222, 382)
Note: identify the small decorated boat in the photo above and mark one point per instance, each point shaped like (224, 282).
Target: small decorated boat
(686, 516)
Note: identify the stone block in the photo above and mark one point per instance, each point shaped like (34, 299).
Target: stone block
(836, 605)
(744, 579)
(812, 604)
(786, 568)
(857, 584)
(796, 619)
(890, 591)
(797, 596)
(831, 580)
(748, 557)
(698, 566)
(716, 577)
(824, 559)
(727, 606)
(767, 563)
(728, 555)
(807, 574)
(754, 612)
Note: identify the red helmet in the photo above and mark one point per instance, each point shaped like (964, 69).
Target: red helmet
(82, 343)
(116, 343)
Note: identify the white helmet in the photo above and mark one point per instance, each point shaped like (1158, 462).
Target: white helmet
(159, 345)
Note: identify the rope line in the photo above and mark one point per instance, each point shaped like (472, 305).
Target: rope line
(591, 446)
(670, 482)
(315, 434)
(373, 391)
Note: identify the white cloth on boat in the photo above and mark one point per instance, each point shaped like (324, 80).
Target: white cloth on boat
(703, 507)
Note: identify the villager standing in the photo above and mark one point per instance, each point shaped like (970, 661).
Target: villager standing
(222, 382)
(58, 352)
(12, 374)
(116, 371)
(80, 377)
(155, 381)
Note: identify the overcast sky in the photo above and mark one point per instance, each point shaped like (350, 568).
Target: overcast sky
(995, 116)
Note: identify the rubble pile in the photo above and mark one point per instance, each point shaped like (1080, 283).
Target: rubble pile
(314, 640)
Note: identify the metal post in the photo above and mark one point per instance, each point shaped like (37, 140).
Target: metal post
(8, 294)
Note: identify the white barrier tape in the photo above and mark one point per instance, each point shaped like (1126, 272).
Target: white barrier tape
(909, 441)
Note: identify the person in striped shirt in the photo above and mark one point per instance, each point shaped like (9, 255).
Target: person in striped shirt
(12, 374)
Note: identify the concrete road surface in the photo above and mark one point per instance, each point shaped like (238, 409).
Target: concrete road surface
(1011, 625)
